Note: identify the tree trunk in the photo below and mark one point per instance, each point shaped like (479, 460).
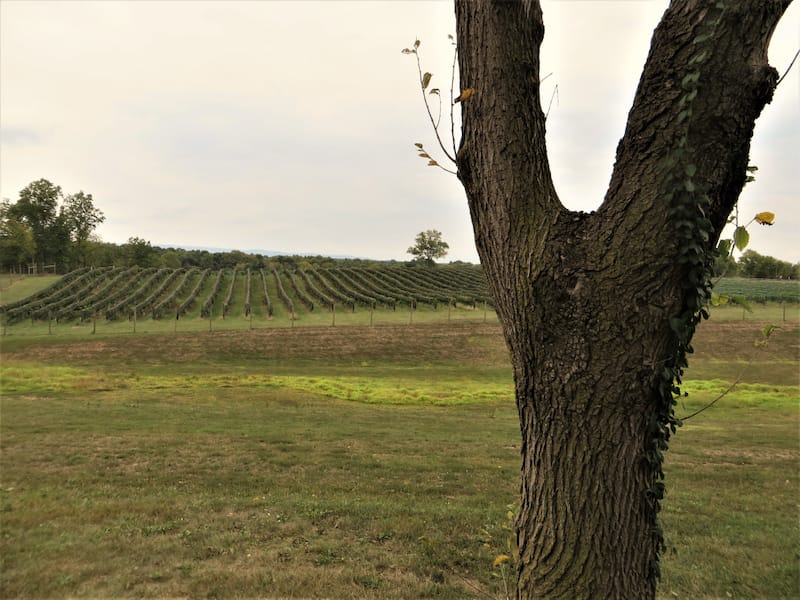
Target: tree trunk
(598, 309)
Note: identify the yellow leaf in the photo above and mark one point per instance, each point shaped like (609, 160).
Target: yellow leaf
(499, 560)
(426, 79)
(465, 95)
(718, 299)
(765, 218)
(433, 163)
(424, 155)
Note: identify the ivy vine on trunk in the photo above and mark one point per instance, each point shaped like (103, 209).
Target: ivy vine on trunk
(598, 310)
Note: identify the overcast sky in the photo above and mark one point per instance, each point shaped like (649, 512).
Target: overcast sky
(289, 126)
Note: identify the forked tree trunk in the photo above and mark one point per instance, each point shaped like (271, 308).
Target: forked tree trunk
(589, 302)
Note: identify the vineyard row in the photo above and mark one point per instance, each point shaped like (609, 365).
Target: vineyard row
(130, 293)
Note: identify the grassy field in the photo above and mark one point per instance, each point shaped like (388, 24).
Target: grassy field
(17, 287)
(351, 462)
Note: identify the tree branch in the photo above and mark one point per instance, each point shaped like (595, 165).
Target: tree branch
(435, 124)
(498, 54)
(713, 84)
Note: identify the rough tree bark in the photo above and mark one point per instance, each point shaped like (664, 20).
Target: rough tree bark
(587, 301)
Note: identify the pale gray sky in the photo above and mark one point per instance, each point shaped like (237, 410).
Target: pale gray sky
(290, 125)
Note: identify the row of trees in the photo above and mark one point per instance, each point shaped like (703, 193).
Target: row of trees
(44, 227)
(140, 252)
(756, 266)
(46, 230)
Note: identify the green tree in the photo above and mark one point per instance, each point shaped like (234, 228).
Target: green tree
(752, 264)
(598, 310)
(139, 252)
(81, 218)
(170, 259)
(16, 239)
(428, 246)
(38, 208)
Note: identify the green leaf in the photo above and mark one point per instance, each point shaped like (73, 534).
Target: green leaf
(690, 79)
(691, 170)
(743, 302)
(688, 185)
(701, 38)
(699, 57)
(741, 238)
(767, 331)
(724, 247)
(718, 299)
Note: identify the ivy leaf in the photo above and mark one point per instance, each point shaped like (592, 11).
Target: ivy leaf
(699, 57)
(690, 79)
(718, 299)
(743, 302)
(741, 238)
(701, 38)
(765, 218)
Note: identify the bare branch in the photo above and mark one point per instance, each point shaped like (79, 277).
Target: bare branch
(554, 95)
(428, 109)
(789, 68)
(452, 86)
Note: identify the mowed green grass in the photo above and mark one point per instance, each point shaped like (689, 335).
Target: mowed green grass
(351, 462)
(17, 287)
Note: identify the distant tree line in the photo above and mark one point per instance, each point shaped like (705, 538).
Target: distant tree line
(44, 230)
(756, 266)
(140, 252)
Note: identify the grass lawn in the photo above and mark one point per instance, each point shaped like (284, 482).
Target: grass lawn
(350, 462)
(17, 287)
